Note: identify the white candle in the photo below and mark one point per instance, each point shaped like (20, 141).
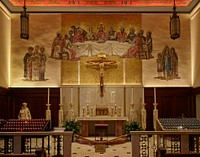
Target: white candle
(142, 95)
(48, 96)
(154, 94)
(132, 95)
(60, 95)
(71, 95)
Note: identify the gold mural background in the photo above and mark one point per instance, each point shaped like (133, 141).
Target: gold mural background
(86, 20)
(128, 71)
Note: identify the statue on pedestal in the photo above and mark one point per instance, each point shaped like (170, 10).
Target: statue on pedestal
(24, 113)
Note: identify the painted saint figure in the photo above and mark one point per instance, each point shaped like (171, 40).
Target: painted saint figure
(167, 63)
(42, 63)
(27, 64)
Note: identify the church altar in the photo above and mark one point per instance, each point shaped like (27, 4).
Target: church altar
(119, 105)
(88, 123)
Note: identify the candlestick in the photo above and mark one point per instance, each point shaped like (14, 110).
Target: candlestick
(60, 95)
(48, 96)
(71, 95)
(142, 95)
(154, 94)
(132, 95)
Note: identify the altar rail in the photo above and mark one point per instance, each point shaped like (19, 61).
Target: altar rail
(53, 142)
(163, 153)
(146, 143)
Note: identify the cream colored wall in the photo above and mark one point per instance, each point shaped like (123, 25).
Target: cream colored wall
(43, 30)
(158, 24)
(4, 46)
(195, 45)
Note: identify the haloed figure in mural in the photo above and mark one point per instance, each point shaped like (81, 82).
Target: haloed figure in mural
(167, 64)
(43, 64)
(27, 64)
(76, 42)
(35, 64)
(141, 47)
(57, 46)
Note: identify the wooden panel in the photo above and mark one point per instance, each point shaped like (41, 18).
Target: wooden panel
(36, 98)
(172, 102)
(4, 103)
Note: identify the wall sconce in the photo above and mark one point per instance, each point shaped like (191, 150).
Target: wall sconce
(174, 24)
(24, 18)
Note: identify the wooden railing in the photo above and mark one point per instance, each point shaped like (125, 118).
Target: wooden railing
(58, 143)
(38, 153)
(161, 152)
(146, 143)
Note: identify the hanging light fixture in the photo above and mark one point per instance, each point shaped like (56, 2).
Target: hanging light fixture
(24, 18)
(174, 24)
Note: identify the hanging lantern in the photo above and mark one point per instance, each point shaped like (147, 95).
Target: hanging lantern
(174, 24)
(24, 23)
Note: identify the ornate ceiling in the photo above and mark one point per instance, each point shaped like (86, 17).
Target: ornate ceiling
(146, 3)
(144, 6)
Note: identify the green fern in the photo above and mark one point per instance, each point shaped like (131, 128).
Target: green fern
(72, 126)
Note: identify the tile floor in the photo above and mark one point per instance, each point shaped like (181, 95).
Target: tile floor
(119, 150)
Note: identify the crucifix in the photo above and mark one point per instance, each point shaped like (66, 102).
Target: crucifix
(102, 64)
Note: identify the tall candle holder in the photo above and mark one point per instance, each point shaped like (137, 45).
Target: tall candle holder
(92, 111)
(48, 112)
(115, 111)
(112, 111)
(71, 113)
(143, 116)
(60, 116)
(133, 114)
(119, 111)
(83, 111)
(87, 111)
(155, 115)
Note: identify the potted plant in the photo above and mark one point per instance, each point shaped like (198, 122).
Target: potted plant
(73, 126)
(132, 126)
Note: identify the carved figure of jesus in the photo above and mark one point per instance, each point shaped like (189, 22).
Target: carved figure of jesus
(102, 64)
